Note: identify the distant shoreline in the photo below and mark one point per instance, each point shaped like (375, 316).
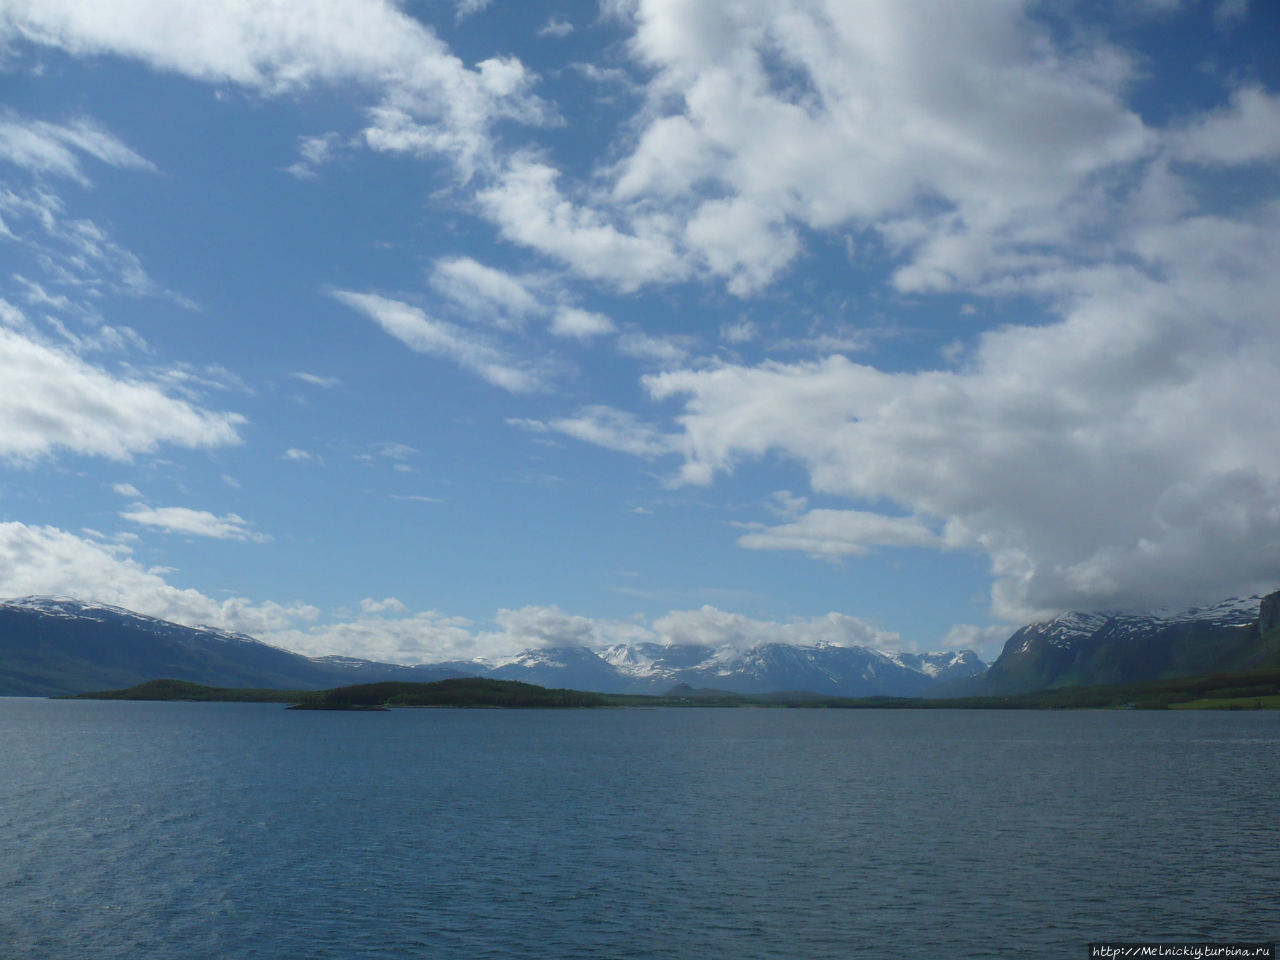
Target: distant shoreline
(1249, 690)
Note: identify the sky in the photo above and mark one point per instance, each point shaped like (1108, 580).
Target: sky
(443, 329)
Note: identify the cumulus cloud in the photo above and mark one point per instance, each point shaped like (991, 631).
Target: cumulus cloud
(718, 628)
(199, 523)
(1244, 132)
(426, 637)
(528, 206)
(1110, 459)
(47, 561)
(580, 324)
(424, 334)
(767, 119)
(426, 94)
(537, 627)
(390, 604)
(54, 400)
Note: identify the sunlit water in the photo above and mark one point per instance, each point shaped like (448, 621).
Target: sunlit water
(133, 830)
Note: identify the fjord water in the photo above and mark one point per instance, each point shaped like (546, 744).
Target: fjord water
(247, 831)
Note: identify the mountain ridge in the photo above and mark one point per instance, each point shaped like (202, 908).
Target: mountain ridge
(1110, 647)
(60, 645)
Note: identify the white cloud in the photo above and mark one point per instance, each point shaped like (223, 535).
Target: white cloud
(665, 351)
(422, 638)
(199, 523)
(580, 324)
(1111, 459)
(423, 334)
(839, 533)
(46, 561)
(527, 205)
(43, 147)
(741, 331)
(77, 255)
(1230, 13)
(610, 428)
(484, 292)
(298, 455)
(54, 400)
(830, 113)
(397, 451)
(556, 27)
(717, 628)
(468, 8)
(786, 504)
(316, 380)
(1247, 131)
(315, 152)
(127, 490)
(279, 47)
(547, 627)
(986, 642)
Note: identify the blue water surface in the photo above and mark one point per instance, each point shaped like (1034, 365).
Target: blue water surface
(188, 830)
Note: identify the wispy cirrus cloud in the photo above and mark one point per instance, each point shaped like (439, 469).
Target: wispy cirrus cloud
(423, 334)
(316, 380)
(198, 523)
(42, 147)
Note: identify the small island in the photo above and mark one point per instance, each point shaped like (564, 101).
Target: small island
(369, 697)
(1248, 690)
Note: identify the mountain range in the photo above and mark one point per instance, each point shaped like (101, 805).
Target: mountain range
(56, 646)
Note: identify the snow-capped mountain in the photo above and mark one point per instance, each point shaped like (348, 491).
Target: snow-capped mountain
(573, 667)
(768, 668)
(1110, 647)
(56, 645)
(51, 646)
(69, 609)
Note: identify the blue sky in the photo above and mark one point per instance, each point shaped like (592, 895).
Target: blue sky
(440, 330)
